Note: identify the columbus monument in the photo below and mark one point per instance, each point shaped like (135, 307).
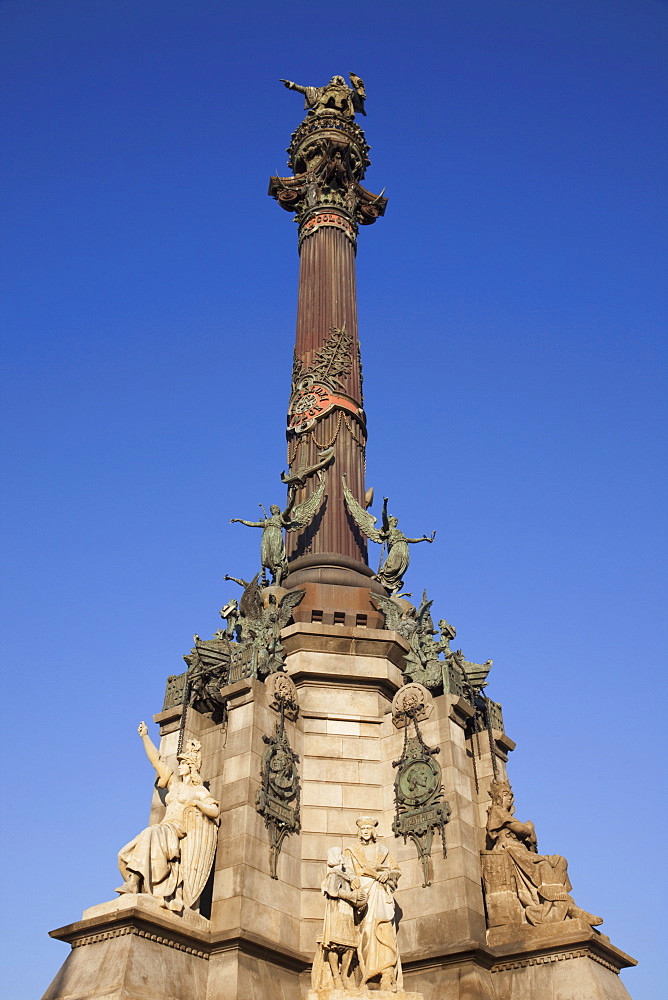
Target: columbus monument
(332, 814)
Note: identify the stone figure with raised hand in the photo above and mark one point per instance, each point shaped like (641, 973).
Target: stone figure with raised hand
(378, 874)
(541, 881)
(335, 96)
(272, 550)
(392, 571)
(172, 860)
(340, 934)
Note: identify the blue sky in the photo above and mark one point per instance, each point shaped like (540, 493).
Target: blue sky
(512, 321)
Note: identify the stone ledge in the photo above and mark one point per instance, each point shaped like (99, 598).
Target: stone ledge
(314, 637)
(239, 939)
(147, 920)
(362, 994)
(150, 921)
(144, 902)
(516, 946)
(454, 954)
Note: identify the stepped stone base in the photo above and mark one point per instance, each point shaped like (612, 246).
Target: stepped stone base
(136, 951)
(565, 961)
(148, 903)
(261, 939)
(362, 994)
(132, 949)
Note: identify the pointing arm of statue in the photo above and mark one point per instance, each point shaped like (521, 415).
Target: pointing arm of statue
(164, 773)
(293, 86)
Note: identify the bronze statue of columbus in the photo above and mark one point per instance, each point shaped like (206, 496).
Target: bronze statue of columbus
(335, 96)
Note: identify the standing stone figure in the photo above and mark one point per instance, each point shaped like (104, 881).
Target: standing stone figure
(340, 934)
(392, 571)
(541, 881)
(172, 860)
(272, 550)
(378, 874)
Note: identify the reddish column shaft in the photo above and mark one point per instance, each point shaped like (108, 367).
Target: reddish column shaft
(327, 298)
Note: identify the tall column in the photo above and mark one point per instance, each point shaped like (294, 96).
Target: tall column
(326, 425)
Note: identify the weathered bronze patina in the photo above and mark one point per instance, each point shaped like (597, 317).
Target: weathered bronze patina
(278, 798)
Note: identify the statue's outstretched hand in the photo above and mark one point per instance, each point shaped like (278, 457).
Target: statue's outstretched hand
(286, 83)
(142, 729)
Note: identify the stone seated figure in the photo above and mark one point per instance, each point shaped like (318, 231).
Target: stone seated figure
(171, 861)
(522, 886)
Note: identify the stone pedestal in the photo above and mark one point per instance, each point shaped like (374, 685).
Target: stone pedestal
(566, 961)
(135, 950)
(255, 936)
(362, 994)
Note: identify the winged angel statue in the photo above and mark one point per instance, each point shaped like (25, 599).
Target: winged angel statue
(171, 861)
(272, 552)
(264, 613)
(392, 571)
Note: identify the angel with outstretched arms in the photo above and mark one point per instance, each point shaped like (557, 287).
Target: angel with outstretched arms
(334, 96)
(272, 550)
(392, 571)
(172, 860)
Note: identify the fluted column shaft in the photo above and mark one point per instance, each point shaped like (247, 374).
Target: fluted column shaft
(327, 302)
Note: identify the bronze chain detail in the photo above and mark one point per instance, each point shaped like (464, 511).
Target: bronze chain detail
(324, 447)
(490, 734)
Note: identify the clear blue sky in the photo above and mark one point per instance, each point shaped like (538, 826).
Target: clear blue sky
(513, 334)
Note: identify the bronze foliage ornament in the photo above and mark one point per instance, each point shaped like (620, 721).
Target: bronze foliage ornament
(249, 646)
(279, 797)
(320, 387)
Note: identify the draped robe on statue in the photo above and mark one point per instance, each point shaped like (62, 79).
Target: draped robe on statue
(155, 853)
(542, 881)
(378, 951)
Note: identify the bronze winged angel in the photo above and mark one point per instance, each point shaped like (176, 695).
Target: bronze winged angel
(272, 550)
(392, 571)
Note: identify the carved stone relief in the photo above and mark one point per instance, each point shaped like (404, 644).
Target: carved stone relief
(278, 799)
(418, 792)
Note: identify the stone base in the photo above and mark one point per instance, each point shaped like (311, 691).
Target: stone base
(362, 994)
(564, 961)
(132, 948)
(128, 900)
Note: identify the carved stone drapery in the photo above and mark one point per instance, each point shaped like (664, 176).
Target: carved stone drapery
(521, 885)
